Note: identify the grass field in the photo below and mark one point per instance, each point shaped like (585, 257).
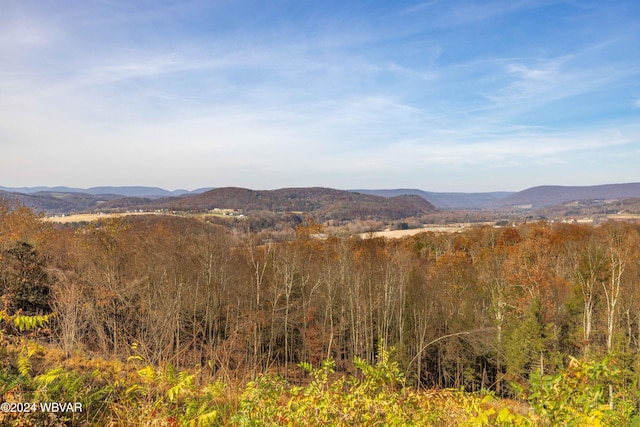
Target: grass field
(88, 217)
(397, 234)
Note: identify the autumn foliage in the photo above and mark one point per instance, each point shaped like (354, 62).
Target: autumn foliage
(493, 310)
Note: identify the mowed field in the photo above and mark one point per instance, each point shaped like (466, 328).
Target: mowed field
(624, 217)
(397, 234)
(88, 217)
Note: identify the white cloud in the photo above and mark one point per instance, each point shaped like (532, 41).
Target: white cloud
(338, 96)
(531, 73)
(506, 150)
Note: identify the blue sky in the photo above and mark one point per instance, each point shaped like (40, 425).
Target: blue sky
(438, 95)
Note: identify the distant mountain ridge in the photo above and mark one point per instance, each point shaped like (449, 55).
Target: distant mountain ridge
(531, 198)
(128, 191)
(550, 195)
(58, 203)
(447, 200)
(68, 199)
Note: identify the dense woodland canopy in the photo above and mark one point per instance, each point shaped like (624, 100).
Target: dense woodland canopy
(481, 309)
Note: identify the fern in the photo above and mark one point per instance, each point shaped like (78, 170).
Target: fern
(23, 361)
(24, 365)
(50, 376)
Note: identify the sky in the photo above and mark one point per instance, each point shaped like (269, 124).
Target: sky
(449, 95)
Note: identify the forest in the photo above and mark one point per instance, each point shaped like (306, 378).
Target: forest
(509, 315)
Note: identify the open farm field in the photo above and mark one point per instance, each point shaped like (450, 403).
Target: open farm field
(90, 217)
(449, 228)
(624, 217)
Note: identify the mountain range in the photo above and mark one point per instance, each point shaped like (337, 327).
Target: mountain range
(328, 201)
(550, 195)
(531, 198)
(128, 191)
(448, 200)
(321, 203)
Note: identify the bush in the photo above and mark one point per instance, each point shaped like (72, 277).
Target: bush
(585, 393)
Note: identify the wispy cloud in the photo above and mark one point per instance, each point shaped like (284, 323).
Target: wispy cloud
(496, 150)
(450, 14)
(332, 93)
(532, 74)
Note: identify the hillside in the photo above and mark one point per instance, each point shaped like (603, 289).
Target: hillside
(59, 203)
(550, 195)
(323, 203)
(128, 191)
(447, 200)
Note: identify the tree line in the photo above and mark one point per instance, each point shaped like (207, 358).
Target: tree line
(480, 309)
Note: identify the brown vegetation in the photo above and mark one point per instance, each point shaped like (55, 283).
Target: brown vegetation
(473, 309)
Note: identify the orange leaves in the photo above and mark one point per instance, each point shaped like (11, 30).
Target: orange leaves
(19, 223)
(509, 237)
(309, 228)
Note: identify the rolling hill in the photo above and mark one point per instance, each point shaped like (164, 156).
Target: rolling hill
(323, 203)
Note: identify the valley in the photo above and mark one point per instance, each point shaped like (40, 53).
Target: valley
(233, 305)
